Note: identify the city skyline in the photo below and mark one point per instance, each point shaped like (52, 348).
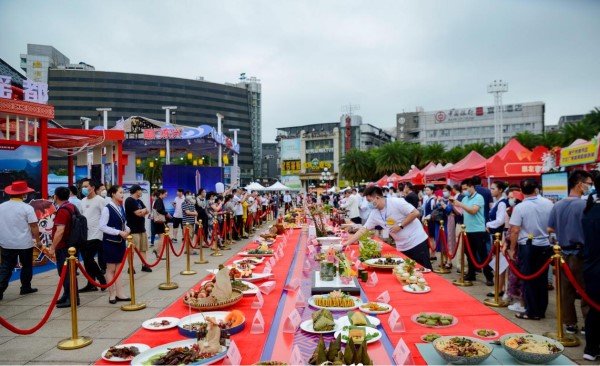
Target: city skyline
(314, 58)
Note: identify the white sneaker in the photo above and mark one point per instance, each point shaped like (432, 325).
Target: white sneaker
(517, 307)
(505, 297)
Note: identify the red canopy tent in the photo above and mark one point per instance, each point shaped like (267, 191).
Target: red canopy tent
(383, 181)
(419, 178)
(470, 165)
(438, 172)
(410, 175)
(515, 161)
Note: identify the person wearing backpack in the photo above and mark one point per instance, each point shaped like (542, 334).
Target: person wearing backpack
(60, 233)
(113, 225)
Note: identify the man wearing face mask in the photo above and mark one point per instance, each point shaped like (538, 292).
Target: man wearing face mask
(135, 212)
(18, 234)
(91, 208)
(565, 221)
(402, 220)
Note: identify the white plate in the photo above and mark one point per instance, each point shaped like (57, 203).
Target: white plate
(372, 263)
(415, 316)
(144, 356)
(357, 303)
(246, 254)
(255, 276)
(252, 265)
(253, 290)
(389, 308)
(173, 323)
(307, 326)
(422, 270)
(345, 321)
(141, 347)
(407, 288)
(496, 334)
(369, 331)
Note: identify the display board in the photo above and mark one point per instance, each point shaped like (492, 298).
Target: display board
(555, 186)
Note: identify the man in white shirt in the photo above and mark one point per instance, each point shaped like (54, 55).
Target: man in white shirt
(178, 214)
(287, 201)
(238, 198)
(364, 208)
(402, 221)
(19, 232)
(73, 197)
(91, 207)
(351, 205)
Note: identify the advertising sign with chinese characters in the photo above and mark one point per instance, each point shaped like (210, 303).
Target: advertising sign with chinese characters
(471, 114)
(522, 169)
(291, 167)
(580, 154)
(32, 91)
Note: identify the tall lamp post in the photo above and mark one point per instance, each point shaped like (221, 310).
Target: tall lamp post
(497, 87)
(168, 122)
(326, 176)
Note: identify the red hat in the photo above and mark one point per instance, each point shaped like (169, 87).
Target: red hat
(18, 187)
(518, 195)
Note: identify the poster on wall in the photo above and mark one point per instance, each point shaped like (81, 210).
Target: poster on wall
(22, 162)
(290, 149)
(190, 178)
(555, 186)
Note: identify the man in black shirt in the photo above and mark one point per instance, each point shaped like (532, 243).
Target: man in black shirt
(410, 196)
(135, 212)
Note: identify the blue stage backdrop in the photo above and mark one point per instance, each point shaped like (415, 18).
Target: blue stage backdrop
(189, 178)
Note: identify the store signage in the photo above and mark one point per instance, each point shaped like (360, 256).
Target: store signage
(291, 167)
(34, 92)
(320, 150)
(580, 154)
(520, 169)
(469, 114)
(316, 164)
(162, 133)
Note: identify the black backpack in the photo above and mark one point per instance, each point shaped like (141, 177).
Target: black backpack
(79, 229)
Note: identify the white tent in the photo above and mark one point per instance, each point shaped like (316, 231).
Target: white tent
(255, 187)
(277, 187)
(332, 189)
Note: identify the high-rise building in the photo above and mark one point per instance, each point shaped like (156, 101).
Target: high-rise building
(461, 126)
(39, 59)
(253, 88)
(269, 168)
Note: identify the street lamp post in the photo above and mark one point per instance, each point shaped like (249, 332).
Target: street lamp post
(326, 176)
(168, 122)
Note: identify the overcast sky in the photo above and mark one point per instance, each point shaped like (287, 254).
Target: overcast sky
(313, 57)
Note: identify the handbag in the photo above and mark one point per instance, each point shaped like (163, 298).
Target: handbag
(158, 218)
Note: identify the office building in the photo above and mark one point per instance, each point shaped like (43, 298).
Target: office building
(461, 126)
(269, 167)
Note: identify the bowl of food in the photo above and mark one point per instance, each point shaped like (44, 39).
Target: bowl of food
(462, 350)
(531, 348)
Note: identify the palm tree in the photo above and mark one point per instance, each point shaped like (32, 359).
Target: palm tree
(493, 149)
(593, 118)
(479, 147)
(434, 153)
(552, 139)
(391, 158)
(579, 130)
(454, 155)
(357, 165)
(528, 139)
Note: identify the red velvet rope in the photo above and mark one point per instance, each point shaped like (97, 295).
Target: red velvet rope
(224, 231)
(445, 244)
(157, 260)
(477, 265)
(514, 269)
(117, 274)
(431, 246)
(173, 248)
(578, 287)
(12, 328)
(195, 244)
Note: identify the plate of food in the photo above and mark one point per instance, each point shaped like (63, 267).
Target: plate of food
(422, 270)
(321, 322)
(531, 348)
(434, 320)
(180, 352)
(430, 337)
(232, 321)
(246, 287)
(375, 308)
(334, 301)
(251, 260)
(358, 319)
(358, 334)
(486, 333)
(462, 350)
(161, 323)
(416, 288)
(384, 262)
(245, 275)
(124, 352)
(257, 253)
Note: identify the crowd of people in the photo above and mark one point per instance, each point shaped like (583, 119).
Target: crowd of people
(412, 219)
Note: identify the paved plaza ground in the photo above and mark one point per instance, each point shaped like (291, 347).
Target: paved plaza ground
(108, 325)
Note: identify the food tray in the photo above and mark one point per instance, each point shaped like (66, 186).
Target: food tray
(208, 304)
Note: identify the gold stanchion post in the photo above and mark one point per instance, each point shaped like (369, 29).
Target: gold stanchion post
(225, 231)
(567, 340)
(167, 285)
(216, 232)
(244, 219)
(462, 281)
(442, 268)
(201, 260)
(231, 228)
(133, 306)
(188, 271)
(75, 341)
(496, 302)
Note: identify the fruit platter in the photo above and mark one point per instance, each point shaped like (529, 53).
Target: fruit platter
(231, 321)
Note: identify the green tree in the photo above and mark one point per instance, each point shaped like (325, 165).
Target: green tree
(357, 165)
(593, 119)
(552, 139)
(580, 130)
(480, 147)
(456, 154)
(434, 153)
(391, 158)
(492, 149)
(529, 139)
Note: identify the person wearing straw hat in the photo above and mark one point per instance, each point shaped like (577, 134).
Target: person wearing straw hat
(17, 237)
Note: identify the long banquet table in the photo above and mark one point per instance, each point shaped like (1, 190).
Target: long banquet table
(274, 344)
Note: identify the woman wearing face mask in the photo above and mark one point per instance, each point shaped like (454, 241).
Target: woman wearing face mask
(113, 225)
(159, 228)
(189, 213)
(212, 211)
(514, 287)
(449, 220)
(201, 210)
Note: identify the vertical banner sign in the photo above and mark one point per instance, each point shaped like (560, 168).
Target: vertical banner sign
(348, 133)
